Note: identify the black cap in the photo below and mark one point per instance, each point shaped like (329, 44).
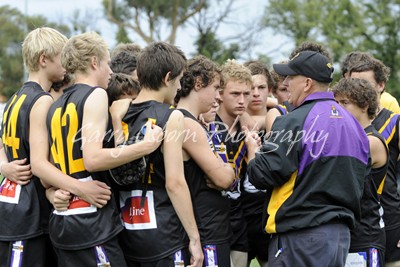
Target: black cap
(310, 64)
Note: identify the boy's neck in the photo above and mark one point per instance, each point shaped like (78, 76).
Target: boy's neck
(231, 122)
(225, 117)
(42, 81)
(186, 104)
(148, 94)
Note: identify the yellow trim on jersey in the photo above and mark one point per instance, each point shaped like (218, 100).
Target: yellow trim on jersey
(233, 161)
(380, 188)
(125, 130)
(384, 126)
(151, 171)
(391, 135)
(278, 197)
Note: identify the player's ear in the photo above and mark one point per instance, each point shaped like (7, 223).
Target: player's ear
(93, 62)
(198, 84)
(166, 78)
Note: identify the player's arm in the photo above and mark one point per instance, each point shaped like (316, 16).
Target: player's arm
(270, 118)
(248, 121)
(176, 185)
(196, 145)
(118, 110)
(95, 120)
(94, 192)
(271, 102)
(378, 152)
(260, 121)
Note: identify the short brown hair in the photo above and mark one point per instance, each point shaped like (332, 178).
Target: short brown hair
(360, 92)
(155, 61)
(257, 67)
(362, 62)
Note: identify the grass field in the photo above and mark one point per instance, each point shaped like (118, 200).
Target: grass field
(254, 263)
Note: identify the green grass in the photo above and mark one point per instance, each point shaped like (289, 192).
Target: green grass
(254, 263)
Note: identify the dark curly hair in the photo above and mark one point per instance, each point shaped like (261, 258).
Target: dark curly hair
(198, 67)
(359, 92)
(311, 46)
(56, 86)
(352, 59)
(121, 84)
(124, 62)
(130, 48)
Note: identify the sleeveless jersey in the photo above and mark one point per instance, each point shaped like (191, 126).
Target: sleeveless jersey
(82, 225)
(24, 209)
(284, 108)
(370, 231)
(232, 150)
(387, 123)
(211, 209)
(152, 228)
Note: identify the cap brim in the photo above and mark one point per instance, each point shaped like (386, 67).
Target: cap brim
(284, 70)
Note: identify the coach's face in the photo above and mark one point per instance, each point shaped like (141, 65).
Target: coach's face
(297, 86)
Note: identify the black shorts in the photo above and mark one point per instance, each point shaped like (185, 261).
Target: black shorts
(238, 240)
(258, 240)
(36, 251)
(217, 255)
(392, 239)
(108, 253)
(179, 258)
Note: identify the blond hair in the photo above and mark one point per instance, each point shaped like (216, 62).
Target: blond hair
(80, 49)
(41, 41)
(233, 71)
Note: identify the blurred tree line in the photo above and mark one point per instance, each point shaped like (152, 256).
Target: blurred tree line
(341, 26)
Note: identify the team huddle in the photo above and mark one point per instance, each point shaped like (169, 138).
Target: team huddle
(146, 158)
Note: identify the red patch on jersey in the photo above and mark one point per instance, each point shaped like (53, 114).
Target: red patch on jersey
(76, 203)
(133, 213)
(9, 189)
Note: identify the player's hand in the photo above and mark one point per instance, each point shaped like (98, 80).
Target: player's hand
(203, 121)
(211, 184)
(17, 171)
(95, 192)
(196, 251)
(154, 135)
(252, 139)
(61, 200)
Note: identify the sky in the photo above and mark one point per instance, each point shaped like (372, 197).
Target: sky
(275, 46)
